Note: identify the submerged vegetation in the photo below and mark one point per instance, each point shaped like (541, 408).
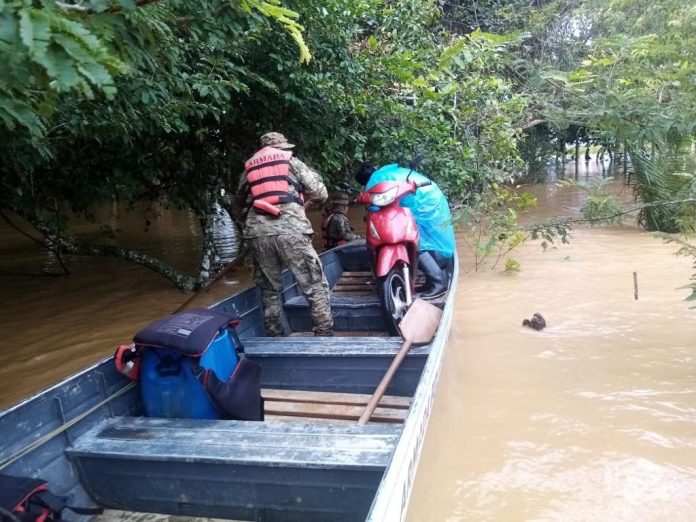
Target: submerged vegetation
(131, 100)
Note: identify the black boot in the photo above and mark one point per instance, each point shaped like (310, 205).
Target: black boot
(436, 278)
(446, 263)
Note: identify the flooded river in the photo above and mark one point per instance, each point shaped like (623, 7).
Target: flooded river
(593, 418)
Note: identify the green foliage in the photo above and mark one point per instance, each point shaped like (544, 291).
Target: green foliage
(489, 223)
(687, 249)
(512, 266)
(403, 85)
(163, 101)
(600, 207)
(669, 175)
(51, 48)
(625, 78)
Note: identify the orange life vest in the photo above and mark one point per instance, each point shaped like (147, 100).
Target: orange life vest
(268, 180)
(326, 220)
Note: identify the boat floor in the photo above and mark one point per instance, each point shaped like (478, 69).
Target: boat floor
(345, 333)
(344, 408)
(115, 515)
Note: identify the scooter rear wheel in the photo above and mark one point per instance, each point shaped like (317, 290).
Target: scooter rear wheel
(393, 294)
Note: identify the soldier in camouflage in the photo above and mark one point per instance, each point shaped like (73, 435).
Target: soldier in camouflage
(335, 226)
(285, 237)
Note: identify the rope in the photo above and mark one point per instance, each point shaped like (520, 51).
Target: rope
(50, 435)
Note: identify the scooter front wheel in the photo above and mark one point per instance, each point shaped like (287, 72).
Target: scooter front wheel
(394, 299)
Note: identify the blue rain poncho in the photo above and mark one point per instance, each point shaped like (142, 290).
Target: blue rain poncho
(429, 207)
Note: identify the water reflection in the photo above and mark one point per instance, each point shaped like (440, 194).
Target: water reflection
(53, 326)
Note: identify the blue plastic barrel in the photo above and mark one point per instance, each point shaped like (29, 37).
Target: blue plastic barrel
(168, 387)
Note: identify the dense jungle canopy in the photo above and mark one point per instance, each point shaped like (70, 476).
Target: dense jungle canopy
(133, 100)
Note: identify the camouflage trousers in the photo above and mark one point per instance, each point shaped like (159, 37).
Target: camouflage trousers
(271, 254)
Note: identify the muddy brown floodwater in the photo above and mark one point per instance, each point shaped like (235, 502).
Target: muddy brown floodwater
(593, 418)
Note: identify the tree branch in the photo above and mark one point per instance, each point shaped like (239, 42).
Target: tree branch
(532, 123)
(72, 246)
(90, 10)
(563, 221)
(7, 220)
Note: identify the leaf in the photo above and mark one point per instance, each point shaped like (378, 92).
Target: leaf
(26, 30)
(96, 73)
(128, 5)
(59, 65)
(8, 28)
(99, 6)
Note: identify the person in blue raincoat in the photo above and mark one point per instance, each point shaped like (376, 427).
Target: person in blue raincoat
(432, 214)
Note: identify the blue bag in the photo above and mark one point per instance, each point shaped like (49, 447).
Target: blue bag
(189, 368)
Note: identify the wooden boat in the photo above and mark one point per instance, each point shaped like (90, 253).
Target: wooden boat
(309, 460)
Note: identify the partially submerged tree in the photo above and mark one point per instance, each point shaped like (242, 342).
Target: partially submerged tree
(123, 100)
(185, 89)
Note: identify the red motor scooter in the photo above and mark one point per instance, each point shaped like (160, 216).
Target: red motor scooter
(392, 242)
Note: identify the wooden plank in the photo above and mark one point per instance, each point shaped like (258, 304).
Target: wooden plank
(363, 274)
(343, 285)
(354, 291)
(332, 411)
(390, 401)
(290, 418)
(353, 287)
(339, 334)
(115, 515)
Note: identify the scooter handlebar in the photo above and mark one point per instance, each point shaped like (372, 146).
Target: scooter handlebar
(423, 184)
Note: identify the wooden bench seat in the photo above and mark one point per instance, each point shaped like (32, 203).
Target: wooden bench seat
(335, 364)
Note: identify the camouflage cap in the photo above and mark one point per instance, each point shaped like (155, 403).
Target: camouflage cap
(339, 198)
(275, 139)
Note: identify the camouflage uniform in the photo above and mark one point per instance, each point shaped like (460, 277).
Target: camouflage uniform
(287, 240)
(338, 228)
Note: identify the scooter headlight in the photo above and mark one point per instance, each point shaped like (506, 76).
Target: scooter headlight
(373, 232)
(384, 198)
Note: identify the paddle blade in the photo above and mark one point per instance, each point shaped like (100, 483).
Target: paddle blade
(420, 322)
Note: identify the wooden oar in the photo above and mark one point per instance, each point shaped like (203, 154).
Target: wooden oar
(417, 327)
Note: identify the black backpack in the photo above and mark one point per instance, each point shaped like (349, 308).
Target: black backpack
(24, 499)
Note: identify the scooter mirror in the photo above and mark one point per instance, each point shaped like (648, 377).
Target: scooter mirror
(363, 198)
(413, 164)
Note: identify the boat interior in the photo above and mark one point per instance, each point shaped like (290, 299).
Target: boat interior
(308, 460)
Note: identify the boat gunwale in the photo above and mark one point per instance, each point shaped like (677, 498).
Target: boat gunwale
(394, 492)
